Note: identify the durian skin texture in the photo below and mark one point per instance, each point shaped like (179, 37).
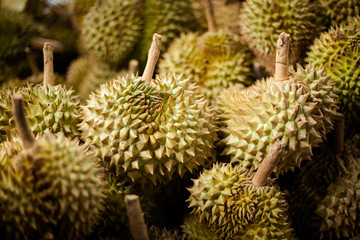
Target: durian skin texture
(111, 29)
(48, 109)
(261, 22)
(299, 112)
(54, 186)
(226, 200)
(149, 131)
(339, 10)
(338, 51)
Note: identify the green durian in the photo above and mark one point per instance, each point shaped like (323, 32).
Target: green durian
(167, 18)
(51, 186)
(299, 111)
(261, 22)
(198, 230)
(111, 29)
(226, 199)
(338, 11)
(338, 51)
(78, 9)
(166, 127)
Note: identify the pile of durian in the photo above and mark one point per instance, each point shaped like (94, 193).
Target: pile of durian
(179, 119)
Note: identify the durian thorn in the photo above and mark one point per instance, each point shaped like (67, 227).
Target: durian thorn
(48, 64)
(210, 17)
(336, 138)
(22, 126)
(268, 164)
(32, 62)
(136, 219)
(133, 66)
(153, 56)
(38, 43)
(282, 58)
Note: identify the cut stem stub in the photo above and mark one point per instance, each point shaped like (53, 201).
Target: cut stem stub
(137, 225)
(154, 53)
(133, 66)
(22, 126)
(268, 164)
(282, 58)
(48, 64)
(32, 62)
(210, 17)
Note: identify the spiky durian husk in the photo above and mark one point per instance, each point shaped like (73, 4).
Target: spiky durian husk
(198, 230)
(165, 127)
(184, 60)
(11, 83)
(48, 109)
(39, 78)
(338, 51)
(63, 190)
(78, 10)
(156, 233)
(339, 209)
(261, 22)
(8, 151)
(339, 11)
(266, 112)
(226, 200)
(164, 17)
(111, 29)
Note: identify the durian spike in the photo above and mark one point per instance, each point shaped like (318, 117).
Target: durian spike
(133, 66)
(268, 164)
(48, 64)
(136, 219)
(153, 56)
(33, 66)
(210, 17)
(282, 58)
(336, 140)
(38, 43)
(22, 126)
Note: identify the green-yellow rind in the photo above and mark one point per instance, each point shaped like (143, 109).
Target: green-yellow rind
(338, 11)
(165, 127)
(262, 21)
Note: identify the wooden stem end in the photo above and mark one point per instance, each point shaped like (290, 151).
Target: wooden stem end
(136, 220)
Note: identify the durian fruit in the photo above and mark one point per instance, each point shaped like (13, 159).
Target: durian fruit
(165, 127)
(211, 60)
(298, 109)
(237, 204)
(78, 9)
(167, 18)
(261, 22)
(111, 29)
(49, 108)
(338, 51)
(198, 230)
(338, 11)
(156, 233)
(51, 186)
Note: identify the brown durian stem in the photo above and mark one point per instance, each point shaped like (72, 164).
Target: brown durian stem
(268, 164)
(38, 43)
(136, 219)
(210, 17)
(336, 140)
(282, 58)
(21, 123)
(48, 236)
(48, 64)
(133, 66)
(258, 71)
(153, 56)
(33, 66)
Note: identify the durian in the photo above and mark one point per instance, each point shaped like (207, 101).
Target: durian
(111, 29)
(240, 205)
(51, 186)
(298, 109)
(166, 18)
(211, 60)
(261, 21)
(49, 108)
(338, 11)
(198, 230)
(156, 233)
(165, 125)
(338, 51)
